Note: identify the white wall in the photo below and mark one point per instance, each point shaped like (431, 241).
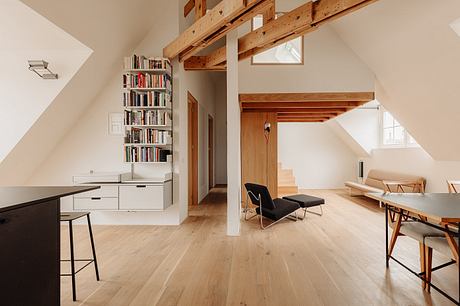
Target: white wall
(363, 125)
(329, 66)
(416, 58)
(320, 159)
(88, 146)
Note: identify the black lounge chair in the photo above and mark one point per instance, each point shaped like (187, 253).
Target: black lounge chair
(275, 210)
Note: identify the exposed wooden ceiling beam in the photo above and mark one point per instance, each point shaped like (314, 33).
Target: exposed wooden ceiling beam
(307, 97)
(285, 105)
(301, 120)
(189, 7)
(189, 52)
(277, 32)
(298, 109)
(216, 23)
(305, 115)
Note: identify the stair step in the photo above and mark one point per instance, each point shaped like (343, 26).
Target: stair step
(285, 190)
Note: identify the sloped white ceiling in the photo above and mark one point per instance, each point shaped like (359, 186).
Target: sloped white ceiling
(415, 56)
(111, 28)
(26, 35)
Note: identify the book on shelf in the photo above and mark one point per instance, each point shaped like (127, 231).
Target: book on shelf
(147, 136)
(136, 62)
(146, 80)
(146, 99)
(147, 117)
(146, 154)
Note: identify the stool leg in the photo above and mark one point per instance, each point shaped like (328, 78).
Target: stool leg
(72, 262)
(92, 247)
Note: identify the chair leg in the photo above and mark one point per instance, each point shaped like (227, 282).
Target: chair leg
(423, 263)
(92, 246)
(428, 267)
(395, 234)
(72, 263)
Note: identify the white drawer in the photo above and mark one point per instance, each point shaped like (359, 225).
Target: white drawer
(95, 203)
(141, 197)
(103, 192)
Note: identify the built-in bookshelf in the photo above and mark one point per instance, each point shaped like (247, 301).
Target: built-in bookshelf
(147, 102)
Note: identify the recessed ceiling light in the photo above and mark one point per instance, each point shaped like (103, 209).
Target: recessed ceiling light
(455, 25)
(40, 67)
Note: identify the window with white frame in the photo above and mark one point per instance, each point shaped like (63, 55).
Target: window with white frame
(393, 134)
(288, 53)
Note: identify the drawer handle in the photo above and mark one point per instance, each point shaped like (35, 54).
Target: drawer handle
(141, 186)
(95, 198)
(3, 220)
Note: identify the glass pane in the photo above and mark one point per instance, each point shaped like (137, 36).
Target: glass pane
(399, 135)
(287, 53)
(388, 136)
(387, 120)
(257, 22)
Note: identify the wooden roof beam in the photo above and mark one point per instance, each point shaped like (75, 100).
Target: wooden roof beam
(277, 32)
(302, 120)
(298, 109)
(285, 105)
(189, 7)
(200, 9)
(215, 24)
(307, 97)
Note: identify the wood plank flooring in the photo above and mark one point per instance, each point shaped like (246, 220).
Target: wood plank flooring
(337, 259)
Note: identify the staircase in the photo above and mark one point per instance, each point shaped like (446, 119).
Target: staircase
(286, 181)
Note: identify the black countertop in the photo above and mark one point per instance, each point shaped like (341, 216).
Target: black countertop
(16, 197)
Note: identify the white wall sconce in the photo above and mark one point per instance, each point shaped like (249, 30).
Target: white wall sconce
(40, 67)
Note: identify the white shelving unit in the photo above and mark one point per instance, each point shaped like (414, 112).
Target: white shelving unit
(147, 97)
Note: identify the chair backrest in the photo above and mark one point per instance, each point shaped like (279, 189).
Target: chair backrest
(376, 177)
(256, 190)
(453, 186)
(404, 186)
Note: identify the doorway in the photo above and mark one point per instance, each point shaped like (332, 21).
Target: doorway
(211, 151)
(192, 150)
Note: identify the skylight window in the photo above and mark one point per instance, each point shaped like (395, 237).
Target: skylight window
(393, 134)
(290, 52)
(455, 25)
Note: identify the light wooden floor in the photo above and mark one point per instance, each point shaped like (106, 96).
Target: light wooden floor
(337, 259)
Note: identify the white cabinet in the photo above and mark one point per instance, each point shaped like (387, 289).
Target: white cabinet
(132, 195)
(145, 196)
(95, 203)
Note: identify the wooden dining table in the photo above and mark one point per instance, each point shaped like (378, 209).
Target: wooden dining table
(438, 210)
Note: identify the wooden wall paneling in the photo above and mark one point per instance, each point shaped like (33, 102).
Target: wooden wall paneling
(259, 160)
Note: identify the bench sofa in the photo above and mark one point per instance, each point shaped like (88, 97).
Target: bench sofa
(375, 182)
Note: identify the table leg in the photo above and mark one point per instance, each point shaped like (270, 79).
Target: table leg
(386, 236)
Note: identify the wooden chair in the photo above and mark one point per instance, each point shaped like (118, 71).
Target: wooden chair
(402, 224)
(453, 186)
(444, 244)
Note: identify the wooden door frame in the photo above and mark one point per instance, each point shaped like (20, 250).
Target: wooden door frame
(192, 144)
(210, 152)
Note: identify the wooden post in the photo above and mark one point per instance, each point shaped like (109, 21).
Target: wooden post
(200, 9)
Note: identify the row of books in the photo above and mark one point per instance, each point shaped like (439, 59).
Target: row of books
(147, 117)
(148, 136)
(146, 154)
(147, 99)
(142, 62)
(146, 80)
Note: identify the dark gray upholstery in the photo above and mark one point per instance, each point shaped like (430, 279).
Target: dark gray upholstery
(273, 209)
(304, 200)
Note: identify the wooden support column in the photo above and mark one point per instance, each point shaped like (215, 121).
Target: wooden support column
(200, 9)
(233, 138)
(269, 14)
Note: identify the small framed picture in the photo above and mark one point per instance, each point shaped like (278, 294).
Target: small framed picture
(115, 124)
